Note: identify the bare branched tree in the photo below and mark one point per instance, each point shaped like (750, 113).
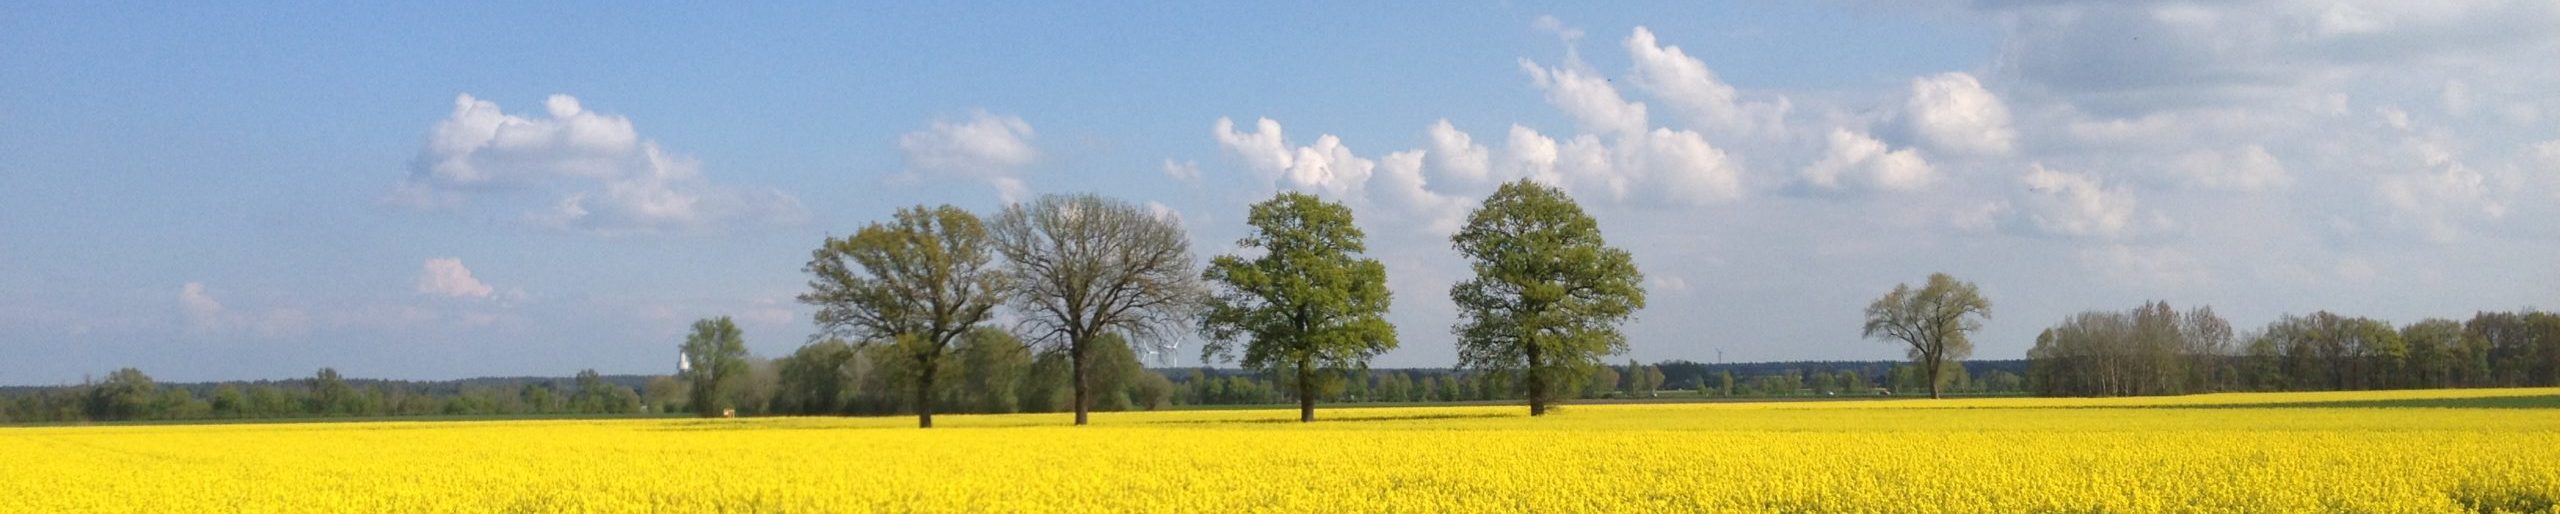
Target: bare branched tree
(1932, 321)
(1084, 265)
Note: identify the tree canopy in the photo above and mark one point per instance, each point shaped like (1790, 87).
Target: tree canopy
(1309, 306)
(1086, 265)
(1932, 321)
(715, 363)
(1548, 292)
(916, 283)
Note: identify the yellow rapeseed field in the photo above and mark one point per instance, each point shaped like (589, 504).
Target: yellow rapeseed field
(2210, 453)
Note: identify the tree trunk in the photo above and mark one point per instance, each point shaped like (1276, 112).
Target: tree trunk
(924, 396)
(1537, 384)
(1306, 392)
(1075, 363)
(1934, 359)
(1306, 405)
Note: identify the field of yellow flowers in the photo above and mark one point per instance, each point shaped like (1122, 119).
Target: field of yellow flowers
(2402, 451)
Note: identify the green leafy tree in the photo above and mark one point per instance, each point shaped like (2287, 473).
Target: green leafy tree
(1083, 266)
(1932, 320)
(754, 394)
(330, 394)
(1113, 371)
(179, 403)
(663, 393)
(1151, 391)
(2431, 349)
(1393, 387)
(1548, 292)
(715, 363)
(816, 379)
(127, 394)
(2546, 351)
(993, 366)
(1604, 380)
(1046, 388)
(229, 402)
(1653, 380)
(1631, 381)
(1308, 306)
(597, 396)
(917, 282)
(540, 398)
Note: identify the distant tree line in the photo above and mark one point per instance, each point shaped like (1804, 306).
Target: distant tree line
(130, 395)
(2156, 350)
(1833, 378)
(991, 372)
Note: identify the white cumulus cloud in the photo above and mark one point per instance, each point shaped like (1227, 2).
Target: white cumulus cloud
(447, 277)
(2250, 168)
(204, 314)
(2075, 204)
(1857, 160)
(987, 147)
(1186, 171)
(1956, 116)
(1619, 154)
(1457, 154)
(600, 174)
(207, 316)
(1533, 154)
(1588, 98)
(1690, 170)
(2442, 195)
(2547, 164)
(1328, 167)
(1684, 82)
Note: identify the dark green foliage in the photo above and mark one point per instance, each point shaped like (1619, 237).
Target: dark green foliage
(330, 395)
(715, 357)
(817, 379)
(121, 398)
(1308, 308)
(2152, 350)
(2149, 350)
(1118, 380)
(914, 284)
(1046, 389)
(1548, 292)
(596, 396)
(993, 365)
(126, 394)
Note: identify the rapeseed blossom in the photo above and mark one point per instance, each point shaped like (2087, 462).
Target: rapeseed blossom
(1957, 455)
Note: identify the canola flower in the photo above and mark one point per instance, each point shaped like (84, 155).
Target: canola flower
(2205, 453)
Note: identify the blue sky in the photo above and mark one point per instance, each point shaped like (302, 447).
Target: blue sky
(437, 191)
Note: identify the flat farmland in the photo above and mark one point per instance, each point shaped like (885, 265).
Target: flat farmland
(2492, 450)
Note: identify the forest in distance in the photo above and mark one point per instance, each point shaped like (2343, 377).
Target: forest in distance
(2320, 351)
(903, 308)
(325, 395)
